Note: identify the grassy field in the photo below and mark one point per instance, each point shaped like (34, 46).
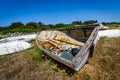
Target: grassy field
(32, 64)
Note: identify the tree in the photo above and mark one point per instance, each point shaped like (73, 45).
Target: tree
(105, 23)
(90, 22)
(40, 24)
(32, 25)
(50, 25)
(59, 25)
(115, 23)
(16, 25)
(77, 22)
(1, 28)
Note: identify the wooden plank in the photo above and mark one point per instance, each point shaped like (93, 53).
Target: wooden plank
(59, 59)
(86, 46)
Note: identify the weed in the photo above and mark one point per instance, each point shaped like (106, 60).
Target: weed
(51, 61)
(107, 59)
(33, 64)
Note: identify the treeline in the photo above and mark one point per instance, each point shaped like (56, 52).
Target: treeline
(37, 26)
(111, 24)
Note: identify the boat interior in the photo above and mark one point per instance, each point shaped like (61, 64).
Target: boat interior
(65, 43)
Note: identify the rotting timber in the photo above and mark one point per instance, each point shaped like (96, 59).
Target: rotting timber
(83, 36)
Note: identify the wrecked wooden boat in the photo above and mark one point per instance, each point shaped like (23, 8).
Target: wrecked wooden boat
(71, 46)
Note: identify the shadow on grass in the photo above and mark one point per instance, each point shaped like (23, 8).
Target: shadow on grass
(67, 69)
(59, 66)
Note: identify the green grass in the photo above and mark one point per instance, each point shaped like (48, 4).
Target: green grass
(33, 64)
(26, 30)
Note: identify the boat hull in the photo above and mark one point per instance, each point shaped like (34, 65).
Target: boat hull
(80, 59)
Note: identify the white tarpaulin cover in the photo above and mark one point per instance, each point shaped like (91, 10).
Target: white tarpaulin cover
(13, 46)
(109, 33)
(20, 38)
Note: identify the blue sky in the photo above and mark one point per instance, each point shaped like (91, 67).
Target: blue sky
(58, 11)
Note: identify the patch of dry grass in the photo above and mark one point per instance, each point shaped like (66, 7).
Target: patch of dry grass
(32, 64)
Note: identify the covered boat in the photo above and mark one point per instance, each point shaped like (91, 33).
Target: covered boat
(71, 46)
